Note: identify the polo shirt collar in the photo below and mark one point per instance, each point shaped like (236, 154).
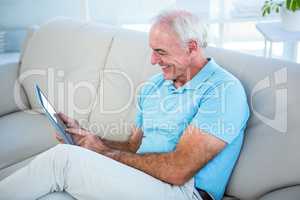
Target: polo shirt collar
(195, 83)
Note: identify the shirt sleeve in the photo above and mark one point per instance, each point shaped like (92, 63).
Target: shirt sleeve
(223, 111)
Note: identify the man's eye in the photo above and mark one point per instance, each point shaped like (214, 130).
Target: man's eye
(162, 53)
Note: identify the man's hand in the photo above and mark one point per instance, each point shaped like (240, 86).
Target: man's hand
(87, 140)
(135, 139)
(80, 136)
(68, 121)
(131, 145)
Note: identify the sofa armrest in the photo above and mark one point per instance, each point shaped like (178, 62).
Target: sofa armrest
(12, 95)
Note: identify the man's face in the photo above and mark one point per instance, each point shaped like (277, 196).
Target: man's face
(168, 52)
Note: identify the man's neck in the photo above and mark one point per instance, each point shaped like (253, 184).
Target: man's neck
(191, 72)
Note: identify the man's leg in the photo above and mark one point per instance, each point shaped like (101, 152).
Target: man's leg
(87, 175)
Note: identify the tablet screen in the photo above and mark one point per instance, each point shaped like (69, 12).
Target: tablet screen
(48, 106)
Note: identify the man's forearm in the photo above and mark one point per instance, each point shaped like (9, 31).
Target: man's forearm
(131, 145)
(163, 166)
(122, 146)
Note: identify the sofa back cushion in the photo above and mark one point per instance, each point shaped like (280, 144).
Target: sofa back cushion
(64, 57)
(270, 156)
(128, 66)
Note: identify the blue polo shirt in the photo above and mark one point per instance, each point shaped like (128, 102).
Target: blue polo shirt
(213, 101)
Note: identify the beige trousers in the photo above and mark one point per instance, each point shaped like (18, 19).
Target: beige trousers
(87, 175)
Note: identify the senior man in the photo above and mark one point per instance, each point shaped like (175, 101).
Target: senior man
(188, 133)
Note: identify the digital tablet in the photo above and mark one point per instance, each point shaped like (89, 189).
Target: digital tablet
(52, 116)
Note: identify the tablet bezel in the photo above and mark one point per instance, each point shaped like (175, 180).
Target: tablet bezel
(59, 125)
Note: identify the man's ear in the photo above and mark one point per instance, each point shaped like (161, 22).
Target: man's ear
(193, 46)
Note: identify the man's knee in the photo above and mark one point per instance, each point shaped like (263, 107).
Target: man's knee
(65, 150)
(62, 147)
(58, 152)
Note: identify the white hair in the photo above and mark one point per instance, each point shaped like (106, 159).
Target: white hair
(185, 24)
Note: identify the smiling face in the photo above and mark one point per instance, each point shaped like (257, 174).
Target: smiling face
(168, 52)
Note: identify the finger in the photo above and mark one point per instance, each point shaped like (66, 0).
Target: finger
(60, 140)
(64, 117)
(67, 120)
(77, 131)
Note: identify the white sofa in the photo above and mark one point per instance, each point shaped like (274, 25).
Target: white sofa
(104, 66)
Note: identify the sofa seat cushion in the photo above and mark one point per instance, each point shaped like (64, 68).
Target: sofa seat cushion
(229, 198)
(23, 135)
(290, 193)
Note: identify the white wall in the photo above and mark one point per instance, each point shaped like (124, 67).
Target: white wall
(22, 13)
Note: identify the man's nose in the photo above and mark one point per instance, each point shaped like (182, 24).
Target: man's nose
(155, 58)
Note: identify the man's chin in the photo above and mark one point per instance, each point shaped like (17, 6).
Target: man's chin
(168, 76)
